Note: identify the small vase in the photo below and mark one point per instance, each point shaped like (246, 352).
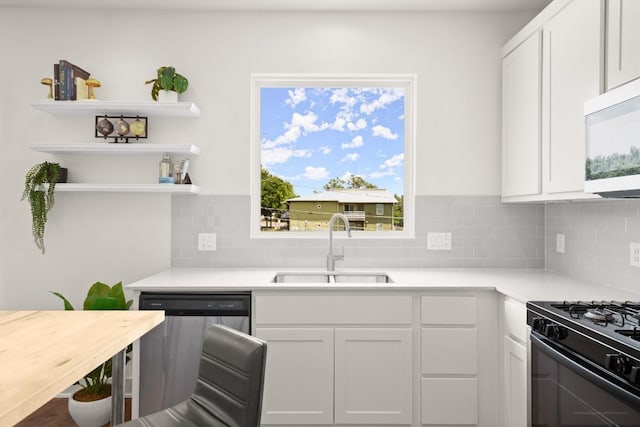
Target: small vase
(90, 414)
(167, 96)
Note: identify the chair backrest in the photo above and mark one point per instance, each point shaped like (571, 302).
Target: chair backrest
(231, 378)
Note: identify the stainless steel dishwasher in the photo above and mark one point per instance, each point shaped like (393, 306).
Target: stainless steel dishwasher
(170, 353)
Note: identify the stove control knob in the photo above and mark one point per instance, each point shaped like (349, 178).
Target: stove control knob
(634, 377)
(617, 363)
(538, 324)
(555, 332)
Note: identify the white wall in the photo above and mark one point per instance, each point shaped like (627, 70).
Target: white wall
(113, 237)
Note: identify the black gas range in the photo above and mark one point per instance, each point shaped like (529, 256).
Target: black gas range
(585, 363)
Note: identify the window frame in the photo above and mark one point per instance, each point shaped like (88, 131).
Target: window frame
(406, 81)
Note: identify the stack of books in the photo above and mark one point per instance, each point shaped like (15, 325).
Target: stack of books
(69, 82)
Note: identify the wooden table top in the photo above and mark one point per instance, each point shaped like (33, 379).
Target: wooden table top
(44, 352)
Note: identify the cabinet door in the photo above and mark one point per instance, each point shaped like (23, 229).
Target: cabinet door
(373, 376)
(572, 55)
(450, 401)
(515, 383)
(521, 80)
(623, 42)
(299, 376)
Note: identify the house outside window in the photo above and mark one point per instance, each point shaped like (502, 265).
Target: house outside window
(379, 209)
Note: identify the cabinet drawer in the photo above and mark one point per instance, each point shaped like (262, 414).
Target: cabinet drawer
(332, 309)
(449, 351)
(515, 319)
(437, 310)
(447, 401)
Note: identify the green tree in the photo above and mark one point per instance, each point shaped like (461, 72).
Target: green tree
(273, 192)
(398, 211)
(353, 182)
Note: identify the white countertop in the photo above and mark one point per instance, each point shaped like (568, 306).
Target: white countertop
(521, 284)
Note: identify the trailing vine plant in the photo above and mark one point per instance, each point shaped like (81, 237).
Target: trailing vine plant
(41, 198)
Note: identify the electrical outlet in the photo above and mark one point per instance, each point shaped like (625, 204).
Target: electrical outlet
(439, 241)
(206, 241)
(560, 243)
(634, 254)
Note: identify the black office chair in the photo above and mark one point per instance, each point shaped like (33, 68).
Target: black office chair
(229, 388)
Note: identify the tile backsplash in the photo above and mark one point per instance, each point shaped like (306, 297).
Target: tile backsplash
(597, 236)
(485, 234)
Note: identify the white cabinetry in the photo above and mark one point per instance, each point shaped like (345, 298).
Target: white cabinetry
(572, 64)
(342, 359)
(449, 360)
(623, 42)
(514, 366)
(151, 109)
(521, 126)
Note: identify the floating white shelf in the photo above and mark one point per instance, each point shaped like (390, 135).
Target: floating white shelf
(95, 107)
(110, 148)
(129, 188)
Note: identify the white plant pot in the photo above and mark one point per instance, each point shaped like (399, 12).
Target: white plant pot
(167, 96)
(90, 414)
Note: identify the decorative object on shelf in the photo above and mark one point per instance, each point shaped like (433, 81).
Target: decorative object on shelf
(164, 176)
(91, 405)
(48, 81)
(123, 130)
(168, 80)
(42, 198)
(180, 169)
(92, 83)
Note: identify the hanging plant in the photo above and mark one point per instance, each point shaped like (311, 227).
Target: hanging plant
(41, 196)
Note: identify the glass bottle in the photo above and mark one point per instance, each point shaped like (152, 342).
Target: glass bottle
(165, 166)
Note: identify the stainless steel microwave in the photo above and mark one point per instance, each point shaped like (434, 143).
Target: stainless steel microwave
(612, 167)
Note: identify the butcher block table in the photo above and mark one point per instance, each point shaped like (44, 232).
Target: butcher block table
(44, 352)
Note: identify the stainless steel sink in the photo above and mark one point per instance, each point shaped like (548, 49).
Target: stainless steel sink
(349, 277)
(331, 277)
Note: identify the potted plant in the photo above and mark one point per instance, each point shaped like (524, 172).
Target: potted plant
(91, 405)
(167, 85)
(41, 196)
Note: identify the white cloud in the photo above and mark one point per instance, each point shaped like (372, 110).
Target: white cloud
(360, 124)
(380, 174)
(341, 96)
(346, 177)
(384, 132)
(299, 125)
(356, 142)
(315, 173)
(289, 137)
(393, 161)
(296, 96)
(351, 157)
(275, 155)
(387, 96)
(325, 149)
(302, 153)
(339, 124)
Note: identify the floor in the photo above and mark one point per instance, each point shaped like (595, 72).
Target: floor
(55, 414)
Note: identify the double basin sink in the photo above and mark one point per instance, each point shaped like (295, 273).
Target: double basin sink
(331, 277)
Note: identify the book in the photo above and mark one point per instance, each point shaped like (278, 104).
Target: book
(56, 82)
(68, 73)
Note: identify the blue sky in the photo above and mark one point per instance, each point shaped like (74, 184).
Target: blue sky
(311, 135)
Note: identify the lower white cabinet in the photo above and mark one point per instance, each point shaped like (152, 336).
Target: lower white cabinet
(333, 359)
(514, 367)
(450, 401)
(515, 383)
(299, 376)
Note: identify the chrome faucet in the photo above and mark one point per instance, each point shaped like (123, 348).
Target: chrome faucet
(331, 258)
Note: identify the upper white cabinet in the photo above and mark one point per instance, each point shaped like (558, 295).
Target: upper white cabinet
(623, 42)
(549, 70)
(521, 127)
(572, 70)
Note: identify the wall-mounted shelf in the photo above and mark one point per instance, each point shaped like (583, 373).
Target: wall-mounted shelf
(109, 148)
(95, 107)
(129, 188)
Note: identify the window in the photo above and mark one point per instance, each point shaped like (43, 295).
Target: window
(325, 144)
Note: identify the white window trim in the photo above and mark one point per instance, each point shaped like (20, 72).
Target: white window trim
(406, 81)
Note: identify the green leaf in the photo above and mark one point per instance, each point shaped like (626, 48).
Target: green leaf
(67, 304)
(180, 83)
